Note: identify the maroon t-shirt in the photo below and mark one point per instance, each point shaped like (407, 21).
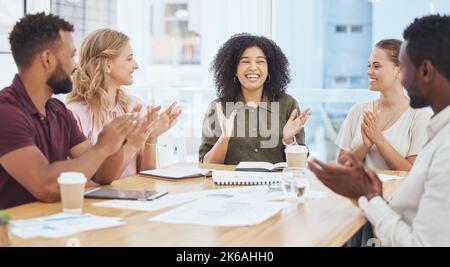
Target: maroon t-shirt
(21, 125)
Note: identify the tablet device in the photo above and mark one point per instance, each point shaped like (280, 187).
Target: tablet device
(103, 193)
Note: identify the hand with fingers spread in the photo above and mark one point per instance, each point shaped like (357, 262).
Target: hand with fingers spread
(226, 124)
(295, 124)
(114, 134)
(371, 128)
(164, 122)
(152, 116)
(350, 180)
(136, 138)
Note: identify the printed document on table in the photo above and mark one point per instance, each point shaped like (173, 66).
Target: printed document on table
(160, 203)
(221, 213)
(60, 225)
(249, 193)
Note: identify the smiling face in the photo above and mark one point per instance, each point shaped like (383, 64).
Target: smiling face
(122, 67)
(252, 69)
(383, 73)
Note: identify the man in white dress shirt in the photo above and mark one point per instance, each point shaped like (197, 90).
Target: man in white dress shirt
(419, 212)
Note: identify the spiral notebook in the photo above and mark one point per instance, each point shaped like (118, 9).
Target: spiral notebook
(248, 178)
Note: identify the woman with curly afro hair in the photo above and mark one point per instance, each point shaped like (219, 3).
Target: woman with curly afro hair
(251, 74)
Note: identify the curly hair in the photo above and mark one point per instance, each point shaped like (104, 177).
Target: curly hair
(429, 39)
(33, 34)
(225, 63)
(91, 79)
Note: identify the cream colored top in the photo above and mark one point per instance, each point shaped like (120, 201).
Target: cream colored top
(90, 125)
(407, 135)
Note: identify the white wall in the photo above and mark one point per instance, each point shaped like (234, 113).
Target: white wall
(8, 70)
(217, 27)
(295, 31)
(8, 66)
(133, 19)
(390, 18)
(34, 6)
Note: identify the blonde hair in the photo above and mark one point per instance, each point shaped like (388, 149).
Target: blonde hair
(91, 79)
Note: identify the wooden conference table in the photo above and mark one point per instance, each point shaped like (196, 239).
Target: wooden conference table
(329, 221)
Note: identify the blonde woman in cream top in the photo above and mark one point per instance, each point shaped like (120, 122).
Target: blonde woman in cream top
(407, 135)
(386, 134)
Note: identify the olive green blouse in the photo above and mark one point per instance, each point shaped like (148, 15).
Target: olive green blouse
(257, 131)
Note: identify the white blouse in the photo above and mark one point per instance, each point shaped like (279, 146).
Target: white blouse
(407, 135)
(419, 211)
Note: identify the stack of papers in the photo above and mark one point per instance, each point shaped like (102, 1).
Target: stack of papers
(60, 225)
(221, 213)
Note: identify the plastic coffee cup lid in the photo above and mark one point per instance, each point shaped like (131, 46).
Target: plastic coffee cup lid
(296, 149)
(72, 178)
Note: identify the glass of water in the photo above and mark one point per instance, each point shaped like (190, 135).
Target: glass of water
(297, 184)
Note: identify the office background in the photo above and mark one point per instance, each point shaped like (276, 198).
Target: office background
(327, 42)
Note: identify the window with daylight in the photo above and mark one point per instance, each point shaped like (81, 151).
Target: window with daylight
(327, 42)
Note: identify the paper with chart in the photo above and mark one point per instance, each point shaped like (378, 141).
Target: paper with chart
(60, 225)
(250, 193)
(221, 213)
(247, 193)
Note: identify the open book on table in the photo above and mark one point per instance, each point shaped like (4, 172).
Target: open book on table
(256, 166)
(177, 173)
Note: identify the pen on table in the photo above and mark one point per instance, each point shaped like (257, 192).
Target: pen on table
(158, 195)
(66, 218)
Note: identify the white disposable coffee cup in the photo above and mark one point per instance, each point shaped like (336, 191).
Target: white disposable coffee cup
(72, 186)
(296, 156)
